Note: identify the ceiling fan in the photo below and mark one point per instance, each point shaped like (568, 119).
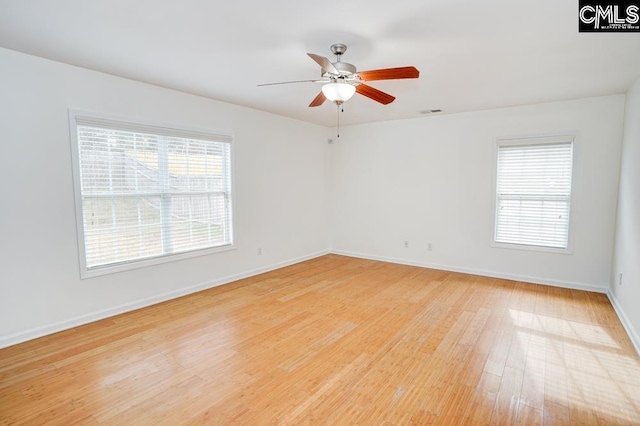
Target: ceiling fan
(342, 80)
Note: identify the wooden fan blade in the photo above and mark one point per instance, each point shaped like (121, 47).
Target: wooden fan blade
(389, 74)
(289, 82)
(324, 63)
(318, 100)
(375, 94)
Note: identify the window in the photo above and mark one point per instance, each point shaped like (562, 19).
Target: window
(146, 192)
(533, 192)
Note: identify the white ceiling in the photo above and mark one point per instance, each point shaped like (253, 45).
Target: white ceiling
(472, 54)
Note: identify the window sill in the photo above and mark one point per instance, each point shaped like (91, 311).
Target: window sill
(531, 248)
(144, 263)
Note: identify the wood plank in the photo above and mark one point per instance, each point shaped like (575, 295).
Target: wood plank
(337, 340)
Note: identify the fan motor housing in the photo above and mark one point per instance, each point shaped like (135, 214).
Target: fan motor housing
(345, 69)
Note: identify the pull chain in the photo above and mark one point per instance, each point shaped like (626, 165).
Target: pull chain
(340, 109)
(338, 120)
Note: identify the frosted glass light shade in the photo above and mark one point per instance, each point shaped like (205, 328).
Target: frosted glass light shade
(340, 92)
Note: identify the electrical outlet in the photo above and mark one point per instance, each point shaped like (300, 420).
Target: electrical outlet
(406, 243)
(259, 251)
(620, 279)
(429, 247)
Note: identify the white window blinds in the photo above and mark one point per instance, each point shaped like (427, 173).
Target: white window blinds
(533, 192)
(150, 191)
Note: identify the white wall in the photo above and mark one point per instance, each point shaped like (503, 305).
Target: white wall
(279, 184)
(430, 180)
(423, 180)
(626, 258)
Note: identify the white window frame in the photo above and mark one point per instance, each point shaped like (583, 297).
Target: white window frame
(149, 127)
(532, 140)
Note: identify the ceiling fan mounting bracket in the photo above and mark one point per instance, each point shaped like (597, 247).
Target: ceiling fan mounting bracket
(338, 49)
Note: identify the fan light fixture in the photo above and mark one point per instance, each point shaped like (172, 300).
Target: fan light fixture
(338, 92)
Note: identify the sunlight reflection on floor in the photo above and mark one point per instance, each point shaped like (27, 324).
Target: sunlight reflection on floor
(580, 365)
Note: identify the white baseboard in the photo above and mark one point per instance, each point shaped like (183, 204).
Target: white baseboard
(633, 334)
(34, 333)
(481, 272)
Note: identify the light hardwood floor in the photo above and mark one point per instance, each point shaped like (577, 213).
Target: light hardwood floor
(337, 340)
